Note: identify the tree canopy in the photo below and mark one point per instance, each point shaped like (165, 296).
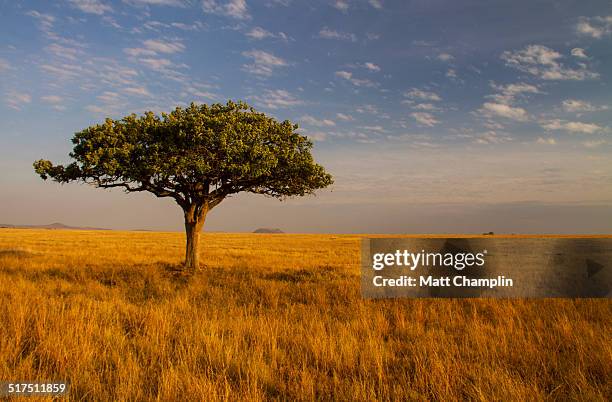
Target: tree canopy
(200, 153)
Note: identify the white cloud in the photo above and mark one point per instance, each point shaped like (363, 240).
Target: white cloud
(508, 93)
(378, 129)
(232, 8)
(430, 107)
(277, 99)
(595, 27)
(327, 33)
(45, 21)
(572, 126)
(156, 64)
(140, 91)
(424, 118)
(58, 50)
(91, 6)
(258, 33)
(138, 52)
(341, 5)
(546, 141)
(199, 91)
(371, 66)
(415, 93)
(451, 73)
(344, 117)
(544, 62)
(152, 47)
(376, 4)
(177, 3)
(263, 64)
(166, 67)
(579, 52)
(313, 121)
(445, 57)
(369, 108)
(160, 46)
(108, 97)
(347, 75)
(577, 106)
(196, 26)
(15, 100)
(491, 137)
(491, 109)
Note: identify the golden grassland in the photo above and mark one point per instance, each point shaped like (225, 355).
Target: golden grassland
(274, 317)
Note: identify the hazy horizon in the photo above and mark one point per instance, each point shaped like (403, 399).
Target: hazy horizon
(433, 117)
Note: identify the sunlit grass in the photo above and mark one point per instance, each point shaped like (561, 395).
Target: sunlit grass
(274, 317)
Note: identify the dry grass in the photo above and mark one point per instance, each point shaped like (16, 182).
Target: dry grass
(274, 317)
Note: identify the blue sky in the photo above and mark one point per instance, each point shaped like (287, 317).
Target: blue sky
(426, 104)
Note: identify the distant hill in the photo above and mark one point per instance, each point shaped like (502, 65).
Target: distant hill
(268, 230)
(55, 225)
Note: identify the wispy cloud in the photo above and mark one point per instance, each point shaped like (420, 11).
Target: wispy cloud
(572, 126)
(546, 141)
(425, 118)
(313, 121)
(344, 117)
(418, 94)
(176, 3)
(508, 94)
(263, 64)
(545, 63)
(595, 27)
(232, 8)
(139, 52)
(445, 57)
(348, 76)
(258, 33)
(277, 99)
(341, 5)
(579, 52)
(378, 4)
(16, 100)
(579, 106)
(327, 33)
(45, 21)
(371, 66)
(139, 91)
(67, 52)
(493, 109)
(91, 6)
(491, 137)
(161, 46)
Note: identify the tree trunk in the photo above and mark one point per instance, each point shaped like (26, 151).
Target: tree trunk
(194, 221)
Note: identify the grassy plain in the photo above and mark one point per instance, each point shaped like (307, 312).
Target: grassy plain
(274, 317)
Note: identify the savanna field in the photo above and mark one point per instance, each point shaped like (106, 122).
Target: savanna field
(274, 317)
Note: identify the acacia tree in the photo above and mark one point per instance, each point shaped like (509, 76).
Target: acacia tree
(198, 156)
